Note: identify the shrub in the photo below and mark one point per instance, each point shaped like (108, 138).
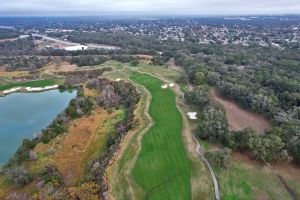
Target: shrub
(219, 157)
(18, 175)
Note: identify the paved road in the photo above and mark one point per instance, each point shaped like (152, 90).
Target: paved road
(198, 151)
(56, 40)
(69, 43)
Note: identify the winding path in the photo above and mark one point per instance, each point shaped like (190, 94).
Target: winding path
(212, 173)
(198, 146)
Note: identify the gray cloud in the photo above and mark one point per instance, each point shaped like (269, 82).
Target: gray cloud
(157, 7)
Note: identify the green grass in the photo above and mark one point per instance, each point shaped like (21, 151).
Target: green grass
(162, 169)
(247, 180)
(39, 83)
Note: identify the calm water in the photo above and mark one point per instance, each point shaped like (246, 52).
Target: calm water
(23, 115)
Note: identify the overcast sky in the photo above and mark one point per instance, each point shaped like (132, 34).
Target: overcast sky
(148, 7)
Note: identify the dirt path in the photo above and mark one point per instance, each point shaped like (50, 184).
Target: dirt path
(239, 118)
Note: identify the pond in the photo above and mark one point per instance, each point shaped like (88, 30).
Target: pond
(24, 115)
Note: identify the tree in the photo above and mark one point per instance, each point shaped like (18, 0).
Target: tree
(238, 140)
(198, 97)
(199, 78)
(268, 148)
(213, 125)
(219, 157)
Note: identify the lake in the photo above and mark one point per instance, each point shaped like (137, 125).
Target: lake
(24, 115)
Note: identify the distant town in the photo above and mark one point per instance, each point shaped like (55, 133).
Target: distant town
(266, 31)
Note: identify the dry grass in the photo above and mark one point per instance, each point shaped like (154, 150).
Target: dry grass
(60, 67)
(90, 93)
(10, 75)
(71, 151)
(239, 118)
(143, 58)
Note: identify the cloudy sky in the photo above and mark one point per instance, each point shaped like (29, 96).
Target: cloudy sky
(148, 7)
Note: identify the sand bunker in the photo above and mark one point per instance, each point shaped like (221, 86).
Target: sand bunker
(192, 115)
(164, 86)
(167, 85)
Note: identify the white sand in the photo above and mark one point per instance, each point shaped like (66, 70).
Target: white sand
(167, 85)
(164, 86)
(36, 89)
(12, 90)
(192, 115)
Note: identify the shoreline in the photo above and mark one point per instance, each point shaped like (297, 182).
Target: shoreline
(27, 90)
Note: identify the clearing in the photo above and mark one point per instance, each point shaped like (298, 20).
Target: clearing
(162, 168)
(239, 118)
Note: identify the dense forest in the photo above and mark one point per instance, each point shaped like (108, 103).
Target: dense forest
(8, 33)
(264, 80)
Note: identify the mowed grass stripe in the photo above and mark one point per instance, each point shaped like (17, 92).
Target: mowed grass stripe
(162, 168)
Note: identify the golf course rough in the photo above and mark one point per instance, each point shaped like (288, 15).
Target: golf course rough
(162, 168)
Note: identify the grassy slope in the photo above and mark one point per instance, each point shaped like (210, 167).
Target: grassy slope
(39, 83)
(162, 168)
(247, 179)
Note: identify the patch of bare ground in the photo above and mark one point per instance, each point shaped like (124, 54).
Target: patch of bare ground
(172, 65)
(259, 195)
(60, 67)
(239, 118)
(143, 58)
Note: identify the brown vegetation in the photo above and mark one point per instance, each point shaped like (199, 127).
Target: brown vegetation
(82, 140)
(239, 118)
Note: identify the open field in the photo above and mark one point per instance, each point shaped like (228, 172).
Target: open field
(38, 83)
(239, 118)
(160, 71)
(162, 169)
